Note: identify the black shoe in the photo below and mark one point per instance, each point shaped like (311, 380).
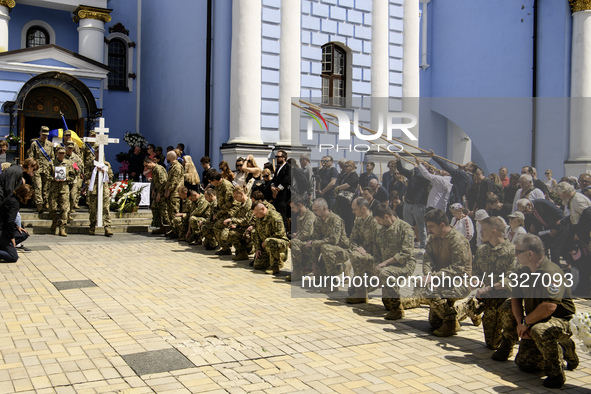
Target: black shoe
(224, 252)
(570, 354)
(555, 382)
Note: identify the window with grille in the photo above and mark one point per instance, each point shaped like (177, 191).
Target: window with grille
(37, 36)
(334, 66)
(118, 63)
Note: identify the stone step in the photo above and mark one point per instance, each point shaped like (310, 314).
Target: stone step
(86, 222)
(84, 230)
(82, 213)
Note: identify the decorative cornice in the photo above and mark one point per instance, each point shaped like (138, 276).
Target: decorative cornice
(8, 3)
(580, 5)
(119, 28)
(86, 12)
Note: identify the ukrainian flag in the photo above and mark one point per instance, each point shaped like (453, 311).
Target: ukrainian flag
(57, 136)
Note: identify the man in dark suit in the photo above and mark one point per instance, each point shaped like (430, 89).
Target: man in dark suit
(281, 184)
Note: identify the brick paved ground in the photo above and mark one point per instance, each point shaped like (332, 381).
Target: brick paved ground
(242, 332)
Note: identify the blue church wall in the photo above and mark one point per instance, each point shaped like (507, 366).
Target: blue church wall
(66, 34)
(119, 107)
(485, 49)
(173, 74)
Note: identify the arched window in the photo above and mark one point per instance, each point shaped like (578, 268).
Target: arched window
(37, 36)
(118, 62)
(334, 66)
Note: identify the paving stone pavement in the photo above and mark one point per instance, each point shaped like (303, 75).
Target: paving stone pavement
(218, 327)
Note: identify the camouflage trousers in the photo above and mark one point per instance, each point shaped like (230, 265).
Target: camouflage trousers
(41, 183)
(73, 192)
(93, 208)
(390, 285)
(78, 189)
(60, 197)
(180, 224)
(442, 303)
(545, 350)
(332, 256)
(491, 321)
(160, 209)
(271, 254)
(222, 234)
(300, 258)
(173, 205)
(209, 238)
(237, 237)
(194, 223)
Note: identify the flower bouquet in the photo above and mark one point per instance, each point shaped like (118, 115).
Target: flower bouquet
(135, 139)
(12, 139)
(124, 198)
(580, 325)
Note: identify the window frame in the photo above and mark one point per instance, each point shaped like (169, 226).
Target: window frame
(123, 56)
(331, 52)
(128, 45)
(40, 25)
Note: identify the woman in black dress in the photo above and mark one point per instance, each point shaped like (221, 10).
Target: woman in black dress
(11, 233)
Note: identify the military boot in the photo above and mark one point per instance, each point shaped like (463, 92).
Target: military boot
(53, 228)
(108, 232)
(91, 231)
(40, 208)
(503, 353)
(240, 256)
(449, 328)
(395, 314)
(570, 354)
(63, 231)
(357, 296)
(555, 382)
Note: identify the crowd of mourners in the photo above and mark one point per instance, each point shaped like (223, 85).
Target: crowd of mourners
(506, 230)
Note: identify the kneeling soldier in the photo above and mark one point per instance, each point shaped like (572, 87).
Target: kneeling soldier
(197, 217)
(541, 307)
(242, 219)
(270, 240)
(300, 255)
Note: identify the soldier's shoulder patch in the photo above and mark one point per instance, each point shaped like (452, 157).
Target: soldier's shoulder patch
(554, 288)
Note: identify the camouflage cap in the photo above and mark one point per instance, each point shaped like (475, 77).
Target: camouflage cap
(61, 149)
(67, 132)
(70, 144)
(44, 130)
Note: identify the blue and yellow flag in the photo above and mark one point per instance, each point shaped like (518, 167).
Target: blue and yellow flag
(57, 135)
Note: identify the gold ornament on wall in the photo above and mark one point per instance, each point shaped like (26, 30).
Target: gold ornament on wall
(580, 5)
(8, 3)
(86, 12)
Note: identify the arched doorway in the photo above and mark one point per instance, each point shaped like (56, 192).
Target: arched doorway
(40, 101)
(43, 106)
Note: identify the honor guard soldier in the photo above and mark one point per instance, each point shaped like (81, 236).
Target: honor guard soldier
(62, 175)
(42, 150)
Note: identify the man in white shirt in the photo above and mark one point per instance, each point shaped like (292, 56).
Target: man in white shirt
(440, 186)
(527, 191)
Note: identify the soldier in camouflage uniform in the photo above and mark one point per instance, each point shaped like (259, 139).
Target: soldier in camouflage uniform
(87, 154)
(79, 168)
(209, 240)
(92, 195)
(42, 150)
(242, 219)
(180, 222)
(541, 307)
(60, 190)
(224, 191)
(67, 139)
(270, 240)
(199, 216)
(496, 257)
(363, 247)
(174, 181)
(447, 253)
(328, 241)
(394, 252)
(159, 178)
(300, 254)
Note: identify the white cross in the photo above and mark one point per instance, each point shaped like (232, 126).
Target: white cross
(102, 139)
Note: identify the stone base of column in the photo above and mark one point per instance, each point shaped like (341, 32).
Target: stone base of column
(232, 151)
(576, 168)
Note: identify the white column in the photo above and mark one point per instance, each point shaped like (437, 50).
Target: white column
(245, 78)
(91, 31)
(380, 61)
(410, 63)
(289, 70)
(580, 113)
(424, 26)
(5, 6)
